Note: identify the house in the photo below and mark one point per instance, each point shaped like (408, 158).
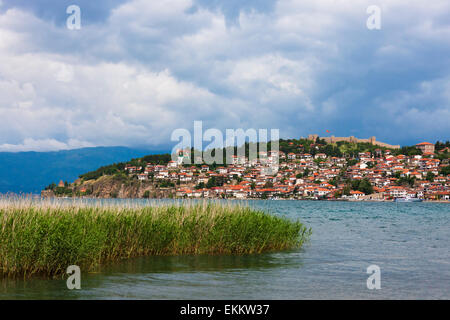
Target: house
(222, 170)
(172, 164)
(425, 147)
(320, 192)
(320, 156)
(357, 194)
(142, 176)
(397, 192)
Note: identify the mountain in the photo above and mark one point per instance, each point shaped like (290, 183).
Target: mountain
(30, 172)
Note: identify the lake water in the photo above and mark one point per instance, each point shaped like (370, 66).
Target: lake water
(410, 242)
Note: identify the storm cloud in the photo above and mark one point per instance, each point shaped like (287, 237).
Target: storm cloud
(137, 70)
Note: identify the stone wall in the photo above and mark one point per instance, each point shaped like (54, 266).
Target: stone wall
(352, 139)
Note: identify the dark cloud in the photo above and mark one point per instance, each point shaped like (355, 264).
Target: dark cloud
(140, 69)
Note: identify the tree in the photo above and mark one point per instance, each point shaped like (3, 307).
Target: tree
(408, 181)
(346, 190)
(333, 182)
(51, 186)
(268, 184)
(430, 176)
(445, 171)
(363, 185)
(201, 185)
(370, 164)
(211, 182)
(306, 172)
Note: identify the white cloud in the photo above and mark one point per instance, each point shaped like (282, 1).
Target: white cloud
(154, 66)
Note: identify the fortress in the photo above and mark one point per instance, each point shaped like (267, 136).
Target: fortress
(352, 139)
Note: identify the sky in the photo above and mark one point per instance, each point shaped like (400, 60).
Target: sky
(137, 70)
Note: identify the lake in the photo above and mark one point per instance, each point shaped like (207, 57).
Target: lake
(410, 242)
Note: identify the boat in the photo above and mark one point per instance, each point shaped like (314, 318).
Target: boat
(408, 199)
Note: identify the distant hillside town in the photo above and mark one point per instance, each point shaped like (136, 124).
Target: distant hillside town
(329, 168)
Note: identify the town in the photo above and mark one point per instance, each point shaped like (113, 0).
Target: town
(308, 168)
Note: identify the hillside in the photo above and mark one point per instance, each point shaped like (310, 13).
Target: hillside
(30, 172)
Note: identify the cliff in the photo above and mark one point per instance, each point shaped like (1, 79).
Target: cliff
(110, 186)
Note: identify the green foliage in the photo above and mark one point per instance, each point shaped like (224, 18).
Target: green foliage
(268, 184)
(105, 170)
(51, 186)
(114, 194)
(45, 238)
(63, 191)
(166, 184)
(346, 190)
(201, 185)
(333, 181)
(430, 176)
(445, 171)
(406, 181)
(408, 151)
(438, 146)
(118, 168)
(353, 149)
(362, 185)
(371, 164)
(211, 182)
(156, 158)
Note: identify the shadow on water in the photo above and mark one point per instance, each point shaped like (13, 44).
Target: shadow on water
(133, 269)
(202, 263)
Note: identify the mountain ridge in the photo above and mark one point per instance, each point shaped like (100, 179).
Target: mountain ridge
(31, 171)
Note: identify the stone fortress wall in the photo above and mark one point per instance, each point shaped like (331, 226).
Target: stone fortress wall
(352, 139)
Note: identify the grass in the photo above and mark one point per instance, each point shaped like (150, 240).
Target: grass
(45, 237)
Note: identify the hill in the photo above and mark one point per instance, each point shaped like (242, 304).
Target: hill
(30, 172)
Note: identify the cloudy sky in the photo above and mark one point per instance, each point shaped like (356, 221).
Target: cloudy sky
(138, 69)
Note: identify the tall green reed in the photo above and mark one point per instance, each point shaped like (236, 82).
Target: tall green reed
(45, 237)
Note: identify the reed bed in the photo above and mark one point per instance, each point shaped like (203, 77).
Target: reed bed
(45, 236)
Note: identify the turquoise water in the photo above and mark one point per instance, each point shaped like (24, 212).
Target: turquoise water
(410, 242)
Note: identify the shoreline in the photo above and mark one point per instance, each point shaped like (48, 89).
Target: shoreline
(37, 196)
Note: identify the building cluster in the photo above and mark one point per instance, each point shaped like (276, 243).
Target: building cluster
(276, 175)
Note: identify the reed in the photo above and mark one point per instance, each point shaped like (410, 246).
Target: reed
(45, 236)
